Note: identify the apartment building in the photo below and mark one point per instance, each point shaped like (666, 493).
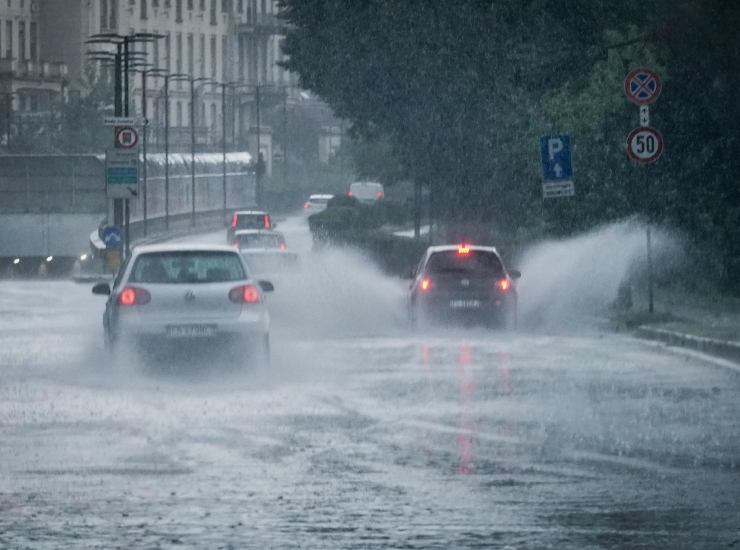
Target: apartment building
(30, 85)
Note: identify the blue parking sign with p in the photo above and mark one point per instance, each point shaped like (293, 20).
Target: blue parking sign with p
(556, 162)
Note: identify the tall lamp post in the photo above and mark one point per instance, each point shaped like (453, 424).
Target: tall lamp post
(193, 81)
(145, 138)
(224, 85)
(123, 59)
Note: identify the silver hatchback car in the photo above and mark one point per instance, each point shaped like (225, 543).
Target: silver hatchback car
(177, 297)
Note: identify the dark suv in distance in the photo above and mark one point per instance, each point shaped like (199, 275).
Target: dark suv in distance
(464, 283)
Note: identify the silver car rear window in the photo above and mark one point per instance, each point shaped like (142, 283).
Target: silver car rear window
(259, 240)
(187, 267)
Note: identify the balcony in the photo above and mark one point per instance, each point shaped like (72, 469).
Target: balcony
(23, 69)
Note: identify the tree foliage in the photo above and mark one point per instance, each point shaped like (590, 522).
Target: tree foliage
(461, 91)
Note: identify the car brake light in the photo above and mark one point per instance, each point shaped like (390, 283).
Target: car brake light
(246, 294)
(425, 284)
(349, 194)
(130, 296)
(379, 195)
(463, 249)
(266, 221)
(235, 244)
(282, 246)
(504, 285)
(234, 220)
(306, 205)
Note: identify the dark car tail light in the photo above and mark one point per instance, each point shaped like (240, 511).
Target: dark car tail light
(425, 284)
(504, 285)
(245, 294)
(131, 296)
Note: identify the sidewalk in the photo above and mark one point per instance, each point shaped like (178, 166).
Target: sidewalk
(709, 324)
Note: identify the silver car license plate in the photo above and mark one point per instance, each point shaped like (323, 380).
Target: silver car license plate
(190, 331)
(464, 304)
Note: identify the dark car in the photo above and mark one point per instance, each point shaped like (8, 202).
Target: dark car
(248, 219)
(463, 283)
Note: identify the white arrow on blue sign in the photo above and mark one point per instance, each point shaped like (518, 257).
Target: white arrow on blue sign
(557, 168)
(556, 163)
(112, 236)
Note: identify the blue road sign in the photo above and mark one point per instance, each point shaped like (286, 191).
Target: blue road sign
(112, 237)
(556, 163)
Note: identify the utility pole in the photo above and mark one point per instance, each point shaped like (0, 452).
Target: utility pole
(260, 164)
(167, 152)
(223, 140)
(192, 151)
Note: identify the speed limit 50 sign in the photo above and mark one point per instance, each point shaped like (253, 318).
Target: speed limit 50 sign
(645, 144)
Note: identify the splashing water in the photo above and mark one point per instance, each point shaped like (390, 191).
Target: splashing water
(571, 279)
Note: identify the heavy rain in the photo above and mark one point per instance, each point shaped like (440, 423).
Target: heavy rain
(329, 274)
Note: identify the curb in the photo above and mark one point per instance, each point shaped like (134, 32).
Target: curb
(712, 346)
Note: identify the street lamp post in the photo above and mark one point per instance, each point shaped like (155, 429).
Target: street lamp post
(122, 59)
(192, 80)
(144, 141)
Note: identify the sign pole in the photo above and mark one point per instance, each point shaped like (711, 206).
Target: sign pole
(645, 145)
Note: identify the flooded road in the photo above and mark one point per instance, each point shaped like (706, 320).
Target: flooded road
(362, 434)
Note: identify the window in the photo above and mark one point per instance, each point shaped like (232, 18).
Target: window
(476, 263)
(187, 267)
(155, 3)
(225, 6)
(202, 5)
(190, 5)
(191, 54)
(113, 14)
(214, 71)
(224, 58)
(143, 5)
(21, 40)
(167, 52)
(213, 12)
(178, 109)
(178, 53)
(34, 41)
(240, 6)
(178, 11)
(9, 39)
(213, 116)
(202, 51)
(103, 14)
(156, 54)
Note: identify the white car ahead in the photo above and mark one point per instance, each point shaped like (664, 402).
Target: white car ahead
(265, 251)
(176, 297)
(316, 203)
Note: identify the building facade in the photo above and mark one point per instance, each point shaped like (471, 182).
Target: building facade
(224, 41)
(30, 86)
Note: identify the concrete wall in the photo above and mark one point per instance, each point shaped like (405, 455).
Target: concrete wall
(46, 234)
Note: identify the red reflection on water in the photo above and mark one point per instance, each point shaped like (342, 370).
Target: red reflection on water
(466, 422)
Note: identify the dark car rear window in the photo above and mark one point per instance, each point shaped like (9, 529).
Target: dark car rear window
(253, 221)
(475, 263)
(187, 267)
